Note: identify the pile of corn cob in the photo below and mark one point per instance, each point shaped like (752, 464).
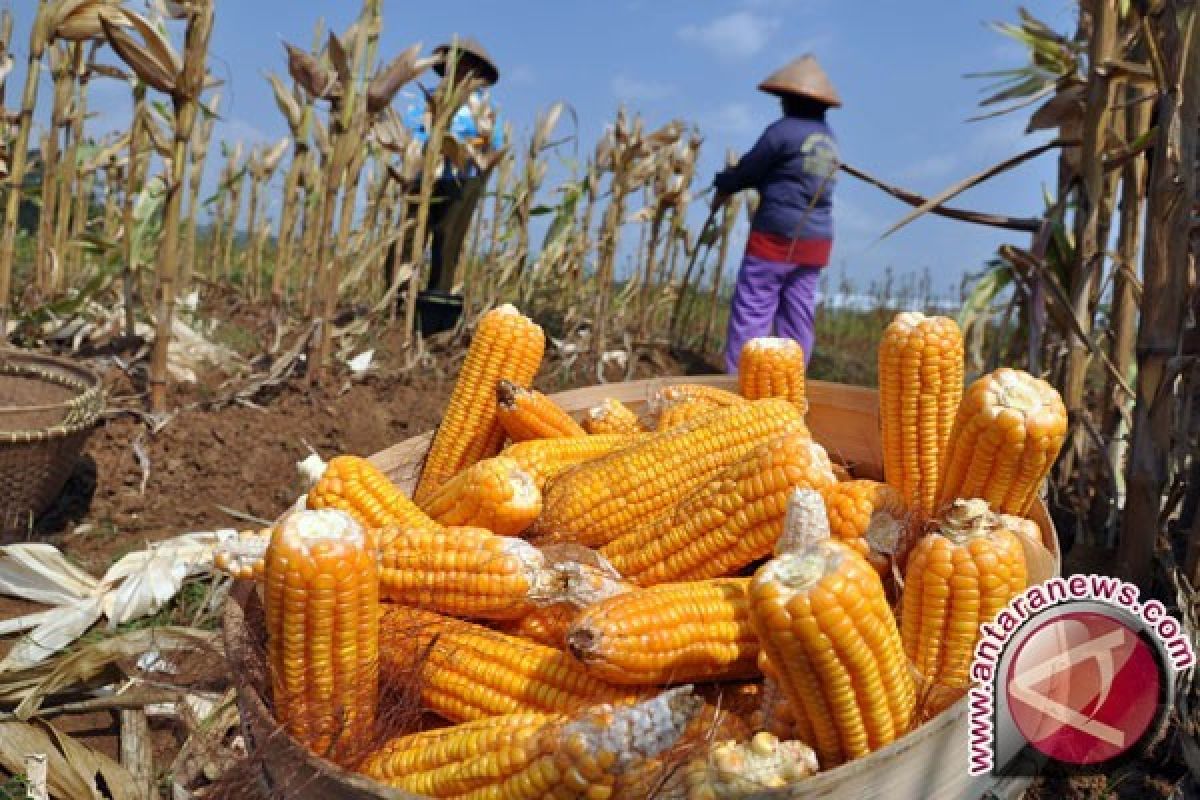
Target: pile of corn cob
(552, 578)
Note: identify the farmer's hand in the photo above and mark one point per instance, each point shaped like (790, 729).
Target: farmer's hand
(718, 199)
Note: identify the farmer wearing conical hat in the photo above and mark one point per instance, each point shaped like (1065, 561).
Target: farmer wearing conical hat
(457, 191)
(792, 166)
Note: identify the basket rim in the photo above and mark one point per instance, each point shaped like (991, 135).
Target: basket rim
(85, 383)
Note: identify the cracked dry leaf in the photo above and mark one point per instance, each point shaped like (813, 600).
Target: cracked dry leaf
(138, 58)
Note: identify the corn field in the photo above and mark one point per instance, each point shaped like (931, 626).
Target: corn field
(121, 217)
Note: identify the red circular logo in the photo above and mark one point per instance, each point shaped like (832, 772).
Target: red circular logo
(1083, 687)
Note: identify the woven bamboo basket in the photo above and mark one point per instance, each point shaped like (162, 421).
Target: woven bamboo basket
(48, 408)
(927, 764)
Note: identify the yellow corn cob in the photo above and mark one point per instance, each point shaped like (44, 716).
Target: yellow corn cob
(656, 777)
(683, 402)
(579, 758)
(611, 416)
(494, 493)
(244, 555)
(603, 499)
(582, 586)
(869, 516)
(958, 577)
(528, 414)
(730, 522)
(321, 601)
(412, 761)
(920, 385)
(771, 366)
(463, 571)
(465, 671)
(1005, 439)
(671, 633)
(732, 771)
(546, 459)
(830, 637)
(546, 625)
(467, 572)
(356, 486)
(506, 345)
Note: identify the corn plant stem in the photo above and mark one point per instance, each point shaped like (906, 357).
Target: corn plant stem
(1173, 185)
(6, 30)
(677, 309)
(581, 243)
(287, 215)
(19, 150)
(216, 236)
(344, 123)
(68, 171)
(191, 81)
(610, 232)
(449, 102)
(63, 76)
(1125, 280)
(250, 274)
(235, 203)
(313, 212)
(732, 207)
(1090, 249)
(195, 178)
(133, 187)
(503, 172)
(82, 194)
(644, 291)
(112, 210)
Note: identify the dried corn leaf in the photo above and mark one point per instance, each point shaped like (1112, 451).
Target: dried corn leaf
(75, 771)
(138, 58)
(39, 573)
(79, 20)
(402, 69)
(272, 157)
(148, 579)
(287, 102)
(313, 76)
(90, 664)
(339, 58)
(158, 45)
(53, 634)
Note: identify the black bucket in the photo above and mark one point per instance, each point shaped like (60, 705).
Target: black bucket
(438, 311)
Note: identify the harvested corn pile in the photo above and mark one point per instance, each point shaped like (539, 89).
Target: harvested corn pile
(611, 416)
(729, 553)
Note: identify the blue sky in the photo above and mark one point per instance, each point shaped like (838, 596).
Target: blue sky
(898, 65)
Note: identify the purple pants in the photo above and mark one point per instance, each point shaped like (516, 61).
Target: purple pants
(771, 298)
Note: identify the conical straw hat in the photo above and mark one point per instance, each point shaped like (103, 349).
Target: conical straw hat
(802, 76)
(469, 46)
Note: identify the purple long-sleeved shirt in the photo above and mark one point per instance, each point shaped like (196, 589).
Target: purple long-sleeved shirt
(793, 161)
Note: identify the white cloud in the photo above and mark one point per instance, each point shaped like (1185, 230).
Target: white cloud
(739, 35)
(628, 87)
(521, 74)
(935, 166)
(735, 119)
(240, 130)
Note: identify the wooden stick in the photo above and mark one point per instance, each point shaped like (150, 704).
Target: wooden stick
(137, 751)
